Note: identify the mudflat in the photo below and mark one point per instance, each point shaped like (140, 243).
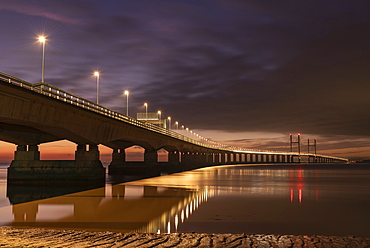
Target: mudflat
(32, 237)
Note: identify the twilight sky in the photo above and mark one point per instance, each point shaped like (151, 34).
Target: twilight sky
(244, 72)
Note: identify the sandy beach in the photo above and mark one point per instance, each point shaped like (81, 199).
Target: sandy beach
(25, 237)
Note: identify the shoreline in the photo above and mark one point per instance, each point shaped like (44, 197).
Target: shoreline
(38, 237)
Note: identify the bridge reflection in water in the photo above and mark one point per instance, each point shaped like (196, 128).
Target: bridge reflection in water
(177, 202)
(122, 208)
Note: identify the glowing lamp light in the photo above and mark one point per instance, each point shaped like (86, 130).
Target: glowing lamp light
(97, 75)
(126, 92)
(42, 39)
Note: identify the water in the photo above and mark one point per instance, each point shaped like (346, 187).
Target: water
(321, 199)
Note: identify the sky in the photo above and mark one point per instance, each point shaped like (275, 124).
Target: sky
(241, 72)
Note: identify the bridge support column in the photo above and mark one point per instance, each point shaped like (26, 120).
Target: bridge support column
(28, 166)
(280, 158)
(82, 154)
(251, 158)
(185, 158)
(222, 158)
(150, 157)
(118, 161)
(24, 152)
(216, 158)
(210, 158)
(202, 158)
(267, 158)
(228, 158)
(273, 160)
(258, 158)
(173, 158)
(241, 160)
(248, 157)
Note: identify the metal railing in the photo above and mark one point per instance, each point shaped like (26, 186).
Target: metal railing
(62, 95)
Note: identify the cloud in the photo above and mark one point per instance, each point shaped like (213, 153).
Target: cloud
(232, 66)
(39, 8)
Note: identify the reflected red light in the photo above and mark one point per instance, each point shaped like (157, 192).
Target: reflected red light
(291, 195)
(300, 173)
(300, 196)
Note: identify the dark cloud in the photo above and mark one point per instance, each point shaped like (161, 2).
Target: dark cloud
(235, 66)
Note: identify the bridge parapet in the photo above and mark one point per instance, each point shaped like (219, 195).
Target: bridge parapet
(62, 95)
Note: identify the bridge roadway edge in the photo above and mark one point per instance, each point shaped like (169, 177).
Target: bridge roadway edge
(28, 118)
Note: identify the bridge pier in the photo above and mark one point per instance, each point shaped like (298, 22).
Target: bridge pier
(150, 157)
(228, 158)
(280, 158)
(215, 158)
(173, 158)
(28, 166)
(118, 161)
(150, 166)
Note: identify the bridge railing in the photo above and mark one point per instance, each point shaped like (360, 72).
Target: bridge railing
(62, 95)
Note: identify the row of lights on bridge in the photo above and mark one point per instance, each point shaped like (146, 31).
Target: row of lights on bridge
(42, 40)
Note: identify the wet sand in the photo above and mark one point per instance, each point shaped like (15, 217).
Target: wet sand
(26, 237)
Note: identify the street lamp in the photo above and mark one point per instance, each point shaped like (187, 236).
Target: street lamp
(177, 125)
(42, 39)
(97, 75)
(159, 116)
(146, 110)
(169, 122)
(127, 93)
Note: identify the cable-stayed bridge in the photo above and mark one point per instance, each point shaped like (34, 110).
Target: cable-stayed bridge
(32, 114)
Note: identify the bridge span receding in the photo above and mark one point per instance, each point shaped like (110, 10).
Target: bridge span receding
(32, 114)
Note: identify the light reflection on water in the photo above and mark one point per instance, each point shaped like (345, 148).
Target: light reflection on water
(279, 199)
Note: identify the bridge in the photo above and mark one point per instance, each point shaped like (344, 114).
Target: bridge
(33, 114)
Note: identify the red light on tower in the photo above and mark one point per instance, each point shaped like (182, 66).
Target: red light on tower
(299, 134)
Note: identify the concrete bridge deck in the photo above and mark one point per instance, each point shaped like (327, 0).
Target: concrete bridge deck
(32, 114)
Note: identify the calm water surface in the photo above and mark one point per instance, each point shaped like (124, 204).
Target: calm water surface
(275, 199)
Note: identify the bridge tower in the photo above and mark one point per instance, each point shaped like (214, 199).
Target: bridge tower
(308, 150)
(298, 142)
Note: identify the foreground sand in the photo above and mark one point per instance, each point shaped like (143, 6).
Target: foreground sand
(18, 237)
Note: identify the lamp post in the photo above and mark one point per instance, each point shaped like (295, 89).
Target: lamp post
(169, 122)
(146, 111)
(42, 39)
(127, 93)
(177, 125)
(159, 116)
(97, 75)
